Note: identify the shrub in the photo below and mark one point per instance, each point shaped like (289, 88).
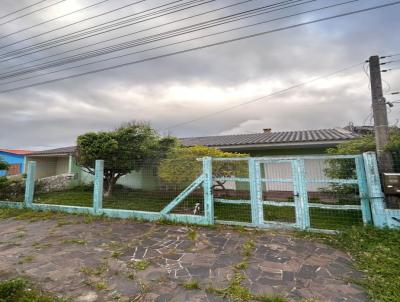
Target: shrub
(12, 188)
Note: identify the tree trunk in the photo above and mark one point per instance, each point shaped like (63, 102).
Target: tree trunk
(108, 189)
(110, 181)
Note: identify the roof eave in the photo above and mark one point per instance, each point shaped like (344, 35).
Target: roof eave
(324, 144)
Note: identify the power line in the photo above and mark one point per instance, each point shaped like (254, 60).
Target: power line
(268, 96)
(126, 35)
(53, 19)
(138, 42)
(390, 56)
(53, 42)
(32, 12)
(56, 39)
(74, 23)
(21, 9)
(204, 46)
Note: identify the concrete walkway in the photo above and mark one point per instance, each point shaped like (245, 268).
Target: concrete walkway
(117, 260)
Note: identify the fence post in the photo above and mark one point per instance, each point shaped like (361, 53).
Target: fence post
(257, 213)
(30, 184)
(207, 188)
(98, 186)
(301, 195)
(376, 195)
(363, 190)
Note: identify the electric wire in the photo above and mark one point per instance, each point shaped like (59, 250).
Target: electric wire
(265, 97)
(123, 36)
(53, 19)
(53, 42)
(110, 49)
(21, 9)
(204, 46)
(32, 12)
(74, 23)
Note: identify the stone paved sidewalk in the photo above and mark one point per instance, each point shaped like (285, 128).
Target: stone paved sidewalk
(117, 260)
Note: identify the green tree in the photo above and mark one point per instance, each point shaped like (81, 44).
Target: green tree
(345, 168)
(182, 167)
(123, 150)
(3, 164)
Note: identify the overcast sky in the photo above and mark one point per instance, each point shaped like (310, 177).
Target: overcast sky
(176, 89)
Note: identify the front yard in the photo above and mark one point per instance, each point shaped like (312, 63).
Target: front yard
(88, 258)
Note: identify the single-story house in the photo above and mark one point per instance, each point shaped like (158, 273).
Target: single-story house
(267, 143)
(15, 159)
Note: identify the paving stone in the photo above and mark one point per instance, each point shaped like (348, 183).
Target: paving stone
(279, 263)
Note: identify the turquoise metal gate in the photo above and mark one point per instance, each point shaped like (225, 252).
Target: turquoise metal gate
(310, 192)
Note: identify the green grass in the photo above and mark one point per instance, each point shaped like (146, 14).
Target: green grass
(376, 253)
(157, 200)
(191, 285)
(20, 290)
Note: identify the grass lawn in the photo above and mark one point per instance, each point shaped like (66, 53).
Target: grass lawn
(156, 201)
(376, 252)
(21, 290)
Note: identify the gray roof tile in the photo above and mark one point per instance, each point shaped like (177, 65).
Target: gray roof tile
(317, 136)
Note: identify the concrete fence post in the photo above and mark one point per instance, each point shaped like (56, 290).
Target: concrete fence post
(98, 186)
(207, 187)
(363, 190)
(257, 213)
(301, 194)
(375, 193)
(30, 184)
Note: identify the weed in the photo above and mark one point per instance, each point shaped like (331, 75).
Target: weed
(274, 298)
(20, 290)
(242, 265)
(192, 234)
(235, 291)
(139, 265)
(25, 259)
(94, 271)
(193, 284)
(247, 248)
(40, 245)
(116, 254)
(20, 235)
(61, 223)
(74, 241)
(101, 285)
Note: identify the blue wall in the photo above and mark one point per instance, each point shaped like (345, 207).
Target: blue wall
(12, 159)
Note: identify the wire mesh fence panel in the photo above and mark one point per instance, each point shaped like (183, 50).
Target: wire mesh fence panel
(152, 185)
(231, 190)
(72, 189)
(333, 193)
(278, 191)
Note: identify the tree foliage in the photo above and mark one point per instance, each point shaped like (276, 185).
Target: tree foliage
(345, 168)
(182, 167)
(3, 164)
(123, 150)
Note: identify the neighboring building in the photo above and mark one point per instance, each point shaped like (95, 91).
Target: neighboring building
(268, 143)
(15, 159)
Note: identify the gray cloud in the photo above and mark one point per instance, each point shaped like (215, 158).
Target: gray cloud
(180, 88)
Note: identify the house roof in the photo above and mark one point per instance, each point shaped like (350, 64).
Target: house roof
(55, 152)
(322, 136)
(17, 152)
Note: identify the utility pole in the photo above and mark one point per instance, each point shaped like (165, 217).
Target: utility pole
(381, 128)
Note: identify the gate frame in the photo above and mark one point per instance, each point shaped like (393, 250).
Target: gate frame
(298, 178)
